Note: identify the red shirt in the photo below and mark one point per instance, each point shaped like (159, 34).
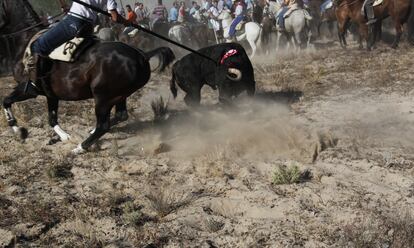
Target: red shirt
(132, 17)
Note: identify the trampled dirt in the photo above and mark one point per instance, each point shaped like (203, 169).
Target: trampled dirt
(206, 177)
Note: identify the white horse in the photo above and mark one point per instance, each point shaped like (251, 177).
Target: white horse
(252, 31)
(297, 28)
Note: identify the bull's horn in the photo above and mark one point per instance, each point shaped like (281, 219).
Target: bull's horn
(234, 74)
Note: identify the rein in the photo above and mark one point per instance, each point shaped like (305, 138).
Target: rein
(30, 27)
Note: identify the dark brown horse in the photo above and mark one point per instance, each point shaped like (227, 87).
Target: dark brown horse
(108, 72)
(347, 10)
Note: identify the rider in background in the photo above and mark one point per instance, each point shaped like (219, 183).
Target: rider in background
(213, 14)
(239, 13)
(281, 16)
(160, 13)
(78, 22)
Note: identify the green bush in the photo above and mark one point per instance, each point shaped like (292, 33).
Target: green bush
(286, 175)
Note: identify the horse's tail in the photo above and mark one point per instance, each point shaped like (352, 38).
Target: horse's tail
(410, 23)
(165, 56)
(173, 86)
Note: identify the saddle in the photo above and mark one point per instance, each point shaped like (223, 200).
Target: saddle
(240, 26)
(67, 52)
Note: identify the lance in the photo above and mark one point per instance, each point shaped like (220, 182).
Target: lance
(99, 10)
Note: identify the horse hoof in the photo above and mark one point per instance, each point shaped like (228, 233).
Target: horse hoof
(54, 140)
(21, 132)
(78, 150)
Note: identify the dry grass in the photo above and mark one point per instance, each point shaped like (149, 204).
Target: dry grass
(395, 230)
(213, 225)
(165, 201)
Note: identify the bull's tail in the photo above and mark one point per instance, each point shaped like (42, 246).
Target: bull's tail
(165, 56)
(173, 86)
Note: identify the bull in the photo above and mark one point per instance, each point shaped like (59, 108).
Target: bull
(231, 74)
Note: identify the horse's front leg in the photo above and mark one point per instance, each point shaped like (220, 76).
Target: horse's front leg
(53, 105)
(19, 94)
(102, 112)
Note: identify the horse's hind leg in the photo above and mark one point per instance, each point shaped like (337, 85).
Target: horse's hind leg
(398, 29)
(18, 95)
(121, 113)
(102, 112)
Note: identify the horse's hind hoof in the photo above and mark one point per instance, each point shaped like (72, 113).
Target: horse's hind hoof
(23, 133)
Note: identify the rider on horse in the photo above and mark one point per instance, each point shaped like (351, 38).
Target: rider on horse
(239, 13)
(288, 6)
(78, 22)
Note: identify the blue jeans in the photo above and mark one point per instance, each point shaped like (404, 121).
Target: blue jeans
(64, 31)
(237, 20)
(280, 18)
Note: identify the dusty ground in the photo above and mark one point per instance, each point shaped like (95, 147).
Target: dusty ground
(214, 177)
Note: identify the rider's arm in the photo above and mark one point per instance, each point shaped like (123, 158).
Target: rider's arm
(115, 16)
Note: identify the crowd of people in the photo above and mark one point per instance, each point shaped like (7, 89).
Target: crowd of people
(181, 13)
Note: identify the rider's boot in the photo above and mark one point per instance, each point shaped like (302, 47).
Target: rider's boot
(370, 13)
(31, 87)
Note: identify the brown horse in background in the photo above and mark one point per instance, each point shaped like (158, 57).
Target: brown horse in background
(347, 10)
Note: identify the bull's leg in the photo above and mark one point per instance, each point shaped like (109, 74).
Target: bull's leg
(18, 95)
(121, 113)
(53, 105)
(398, 29)
(193, 98)
(102, 112)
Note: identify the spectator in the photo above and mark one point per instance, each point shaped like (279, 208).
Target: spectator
(131, 16)
(181, 12)
(173, 16)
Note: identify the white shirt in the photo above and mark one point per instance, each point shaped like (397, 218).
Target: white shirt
(239, 10)
(80, 10)
(214, 11)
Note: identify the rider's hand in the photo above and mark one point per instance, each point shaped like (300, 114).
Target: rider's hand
(65, 9)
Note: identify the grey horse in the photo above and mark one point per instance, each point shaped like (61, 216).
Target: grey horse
(297, 29)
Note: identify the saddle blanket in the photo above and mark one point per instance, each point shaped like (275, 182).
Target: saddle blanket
(62, 53)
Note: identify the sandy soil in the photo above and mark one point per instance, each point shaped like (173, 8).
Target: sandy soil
(212, 177)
